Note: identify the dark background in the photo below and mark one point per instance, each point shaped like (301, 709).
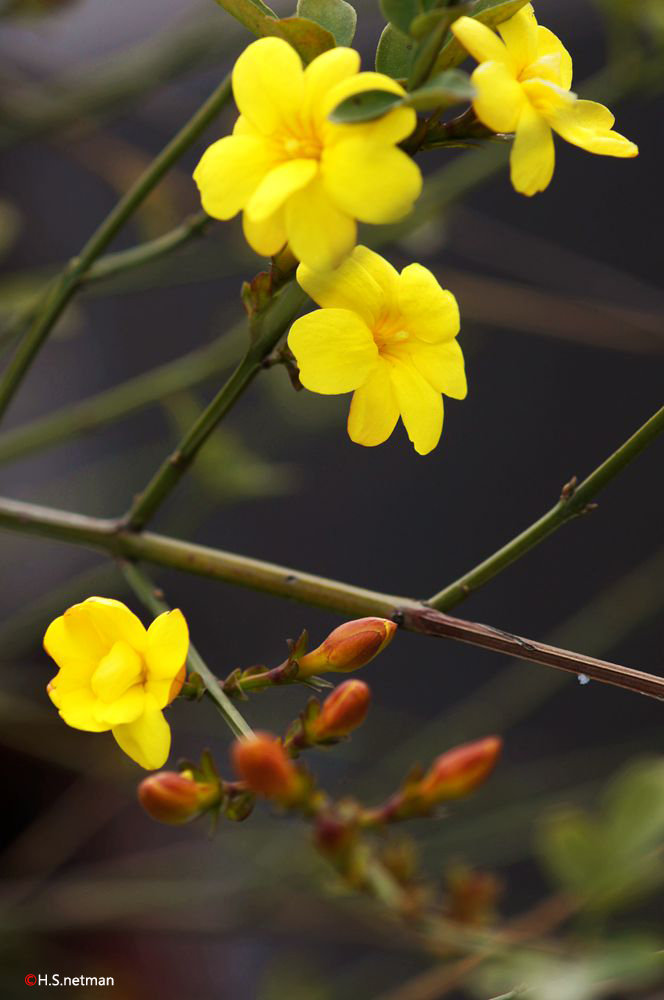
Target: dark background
(92, 887)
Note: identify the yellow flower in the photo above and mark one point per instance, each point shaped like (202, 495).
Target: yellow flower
(297, 176)
(523, 85)
(114, 674)
(390, 337)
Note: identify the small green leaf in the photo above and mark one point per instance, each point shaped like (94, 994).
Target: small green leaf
(437, 28)
(443, 91)
(307, 37)
(394, 54)
(402, 13)
(251, 13)
(365, 107)
(337, 16)
(488, 12)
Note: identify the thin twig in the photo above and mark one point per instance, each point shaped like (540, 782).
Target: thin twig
(153, 600)
(309, 589)
(272, 325)
(573, 502)
(65, 285)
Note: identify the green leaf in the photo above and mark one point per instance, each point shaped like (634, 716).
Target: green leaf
(616, 858)
(365, 107)
(488, 12)
(436, 29)
(394, 54)
(402, 13)
(337, 16)
(638, 791)
(307, 37)
(442, 91)
(251, 13)
(570, 847)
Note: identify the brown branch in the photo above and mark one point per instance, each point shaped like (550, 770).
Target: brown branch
(282, 581)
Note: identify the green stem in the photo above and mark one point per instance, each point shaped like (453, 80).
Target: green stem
(65, 285)
(571, 504)
(152, 598)
(183, 373)
(111, 537)
(271, 326)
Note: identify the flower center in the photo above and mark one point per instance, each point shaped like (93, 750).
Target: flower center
(301, 147)
(389, 334)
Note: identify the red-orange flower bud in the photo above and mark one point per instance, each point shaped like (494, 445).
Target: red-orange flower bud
(342, 711)
(176, 798)
(460, 770)
(261, 761)
(349, 647)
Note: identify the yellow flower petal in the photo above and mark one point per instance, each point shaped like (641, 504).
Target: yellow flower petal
(112, 620)
(429, 312)
(482, 43)
(380, 270)
(278, 185)
(442, 366)
(229, 172)
(319, 232)
(533, 157)
(421, 407)
(147, 740)
(322, 74)
(335, 350)
(267, 237)
(350, 286)
(588, 125)
(126, 708)
(77, 709)
(553, 61)
(499, 98)
(520, 36)
(75, 646)
(350, 170)
(168, 645)
(547, 98)
(268, 83)
(373, 409)
(119, 670)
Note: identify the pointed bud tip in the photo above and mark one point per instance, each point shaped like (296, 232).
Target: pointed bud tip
(342, 711)
(349, 647)
(459, 771)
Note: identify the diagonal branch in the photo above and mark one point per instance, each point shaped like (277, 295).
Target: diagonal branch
(573, 502)
(347, 599)
(66, 284)
(152, 598)
(271, 326)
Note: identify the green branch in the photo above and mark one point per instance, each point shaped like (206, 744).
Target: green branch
(65, 285)
(153, 600)
(270, 327)
(573, 502)
(119, 401)
(111, 537)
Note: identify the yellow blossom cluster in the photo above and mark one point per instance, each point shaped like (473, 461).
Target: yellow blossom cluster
(301, 179)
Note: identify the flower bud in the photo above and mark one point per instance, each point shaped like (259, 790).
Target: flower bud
(349, 647)
(460, 770)
(261, 761)
(177, 798)
(342, 712)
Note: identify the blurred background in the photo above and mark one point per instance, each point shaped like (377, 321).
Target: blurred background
(563, 331)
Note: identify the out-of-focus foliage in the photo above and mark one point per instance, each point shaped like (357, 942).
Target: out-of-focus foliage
(614, 857)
